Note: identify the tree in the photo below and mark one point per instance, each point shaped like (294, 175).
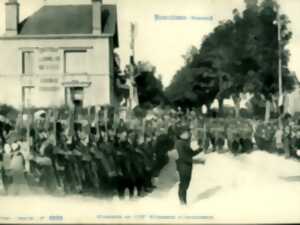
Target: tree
(149, 87)
(193, 86)
(264, 50)
(239, 56)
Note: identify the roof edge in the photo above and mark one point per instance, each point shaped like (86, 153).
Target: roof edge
(55, 36)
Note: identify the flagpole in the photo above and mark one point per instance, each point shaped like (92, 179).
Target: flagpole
(131, 63)
(280, 92)
(133, 98)
(132, 44)
(279, 54)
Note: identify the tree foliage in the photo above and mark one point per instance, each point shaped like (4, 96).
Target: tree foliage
(149, 87)
(240, 55)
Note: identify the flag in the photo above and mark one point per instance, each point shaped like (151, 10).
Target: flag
(106, 118)
(132, 33)
(134, 97)
(280, 100)
(116, 120)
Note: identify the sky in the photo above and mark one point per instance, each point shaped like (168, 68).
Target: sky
(162, 42)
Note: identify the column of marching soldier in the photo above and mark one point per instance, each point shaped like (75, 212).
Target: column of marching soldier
(82, 157)
(104, 158)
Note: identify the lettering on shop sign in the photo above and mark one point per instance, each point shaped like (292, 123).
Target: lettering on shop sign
(77, 83)
(49, 80)
(49, 88)
(49, 60)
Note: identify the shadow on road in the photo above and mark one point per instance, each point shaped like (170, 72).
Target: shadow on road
(168, 177)
(291, 178)
(208, 193)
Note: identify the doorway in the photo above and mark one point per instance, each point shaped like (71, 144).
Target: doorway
(74, 97)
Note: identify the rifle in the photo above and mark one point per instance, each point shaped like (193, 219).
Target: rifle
(204, 135)
(55, 119)
(28, 125)
(29, 140)
(106, 119)
(88, 119)
(97, 109)
(56, 167)
(115, 121)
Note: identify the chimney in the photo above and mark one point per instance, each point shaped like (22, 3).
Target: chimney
(97, 16)
(12, 17)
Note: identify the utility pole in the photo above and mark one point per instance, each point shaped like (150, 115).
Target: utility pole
(132, 39)
(280, 94)
(279, 54)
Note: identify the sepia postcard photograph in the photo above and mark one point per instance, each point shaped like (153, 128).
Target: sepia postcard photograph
(149, 111)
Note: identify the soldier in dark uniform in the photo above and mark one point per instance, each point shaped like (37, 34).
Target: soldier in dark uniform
(111, 154)
(48, 178)
(149, 161)
(235, 145)
(94, 148)
(82, 146)
(70, 164)
(2, 142)
(163, 144)
(6, 159)
(296, 145)
(124, 163)
(137, 162)
(106, 165)
(184, 162)
(287, 140)
(59, 157)
(77, 158)
(63, 158)
(145, 163)
(287, 134)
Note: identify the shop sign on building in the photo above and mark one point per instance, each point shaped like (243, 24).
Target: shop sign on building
(49, 60)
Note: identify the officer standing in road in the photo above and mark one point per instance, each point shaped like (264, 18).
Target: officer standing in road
(184, 162)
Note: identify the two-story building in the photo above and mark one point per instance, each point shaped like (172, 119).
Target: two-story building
(62, 54)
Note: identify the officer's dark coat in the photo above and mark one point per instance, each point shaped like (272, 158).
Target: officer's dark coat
(185, 153)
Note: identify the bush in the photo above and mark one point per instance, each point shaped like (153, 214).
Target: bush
(9, 112)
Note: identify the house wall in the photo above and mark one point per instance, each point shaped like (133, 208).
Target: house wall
(49, 84)
(293, 101)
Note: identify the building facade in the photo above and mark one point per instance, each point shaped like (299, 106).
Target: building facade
(292, 101)
(62, 54)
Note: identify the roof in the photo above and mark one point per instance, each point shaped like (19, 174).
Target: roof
(68, 19)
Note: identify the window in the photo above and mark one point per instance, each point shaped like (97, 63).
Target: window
(75, 62)
(27, 94)
(27, 63)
